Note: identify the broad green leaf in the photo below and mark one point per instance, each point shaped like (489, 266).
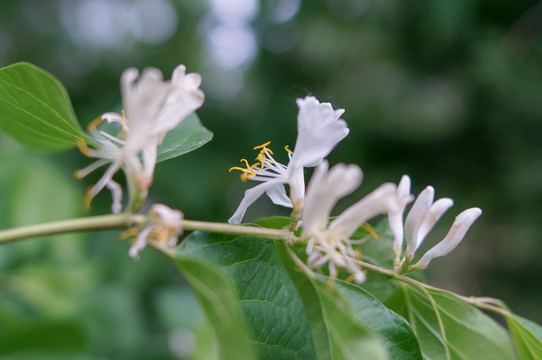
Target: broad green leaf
(336, 333)
(35, 108)
(448, 327)
(189, 135)
(218, 302)
(266, 295)
(396, 332)
(527, 336)
(349, 338)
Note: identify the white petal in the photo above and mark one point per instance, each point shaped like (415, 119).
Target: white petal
(278, 196)
(251, 195)
(319, 130)
(415, 217)
(395, 215)
(378, 202)
(457, 232)
(325, 189)
(432, 216)
(116, 194)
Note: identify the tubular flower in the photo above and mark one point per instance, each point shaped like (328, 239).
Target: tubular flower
(162, 232)
(423, 216)
(152, 107)
(319, 130)
(331, 243)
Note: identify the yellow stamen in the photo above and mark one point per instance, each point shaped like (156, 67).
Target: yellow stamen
(246, 173)
(350, 278)
(288, 150)
(331, 283)
(130, 233)
(262, 146)
(78, 175)
(371, 230)
(88, 199)
(82, 145)
(123, 120)
(94, 123)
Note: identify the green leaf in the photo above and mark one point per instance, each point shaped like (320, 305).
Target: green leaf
(218, 302)
(448, 327)
(527, 336)
(189, 135)
(395, 330)
(266, 295)
(361, 306)
(35, 109)
(349, 338)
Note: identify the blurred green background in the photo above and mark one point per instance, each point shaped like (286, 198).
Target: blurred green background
(449, 92)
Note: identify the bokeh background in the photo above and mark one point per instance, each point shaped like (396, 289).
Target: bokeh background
(449, 92)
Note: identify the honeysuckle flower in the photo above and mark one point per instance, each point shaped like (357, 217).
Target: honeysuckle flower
(457, 232)
(319, 129)
(152, 107)
(331, 243)
(395, 217)
(422, 217)
(162, 231)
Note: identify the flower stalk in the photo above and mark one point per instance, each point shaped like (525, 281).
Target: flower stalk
(127, 221)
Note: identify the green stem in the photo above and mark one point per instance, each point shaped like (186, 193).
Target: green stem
(126, 221)
(93, 223)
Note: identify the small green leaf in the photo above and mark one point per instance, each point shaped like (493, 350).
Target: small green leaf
(189, 135)
(527, 336)
(218, 302)
(266, 295)
(448, 327)
(35, 109)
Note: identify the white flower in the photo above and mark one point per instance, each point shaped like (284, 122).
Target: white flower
(395, 217)
(152, 107)
(457, 232)
(162, 232)
(319, 129)
(423, 216)
(331, 243)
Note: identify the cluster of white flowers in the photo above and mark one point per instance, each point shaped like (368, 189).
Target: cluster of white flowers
(319, 130)
(152, 107)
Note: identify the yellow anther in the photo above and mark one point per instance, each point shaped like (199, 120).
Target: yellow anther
(88, 199)
(246, 173)
(94, 123)
(78, 175)
(123, 120)
(288, 150)
(371, 230)
(82, 145)
(262, 146)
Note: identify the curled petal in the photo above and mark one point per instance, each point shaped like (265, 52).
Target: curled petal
(325, 189)
(378, 202)
(320, 129)
(457, 232)
(252, 195)
(395, 215)
(415, 217)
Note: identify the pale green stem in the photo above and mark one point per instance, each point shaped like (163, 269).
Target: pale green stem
(93, 223)
(485, 303)
(126, 221)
